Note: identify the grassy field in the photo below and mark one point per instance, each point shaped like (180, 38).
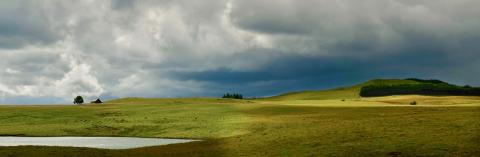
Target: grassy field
(383, 126)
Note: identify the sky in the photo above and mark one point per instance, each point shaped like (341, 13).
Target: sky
(54, 50)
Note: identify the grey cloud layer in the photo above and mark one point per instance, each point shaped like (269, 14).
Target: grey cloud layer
(59, 49)
(20, 25)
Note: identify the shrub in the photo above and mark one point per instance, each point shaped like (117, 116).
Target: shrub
(413, 103)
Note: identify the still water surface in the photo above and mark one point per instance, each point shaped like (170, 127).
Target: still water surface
(90, 142)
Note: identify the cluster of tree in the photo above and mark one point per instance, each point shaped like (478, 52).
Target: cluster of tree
(233, 96)
(420, 89)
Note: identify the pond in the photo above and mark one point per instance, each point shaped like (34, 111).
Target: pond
(89, 142)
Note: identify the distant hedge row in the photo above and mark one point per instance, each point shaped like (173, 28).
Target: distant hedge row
(233, 96)
(420, 89)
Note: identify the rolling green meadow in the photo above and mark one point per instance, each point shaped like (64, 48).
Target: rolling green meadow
(296, 124)
(240, 78)
(256, 127)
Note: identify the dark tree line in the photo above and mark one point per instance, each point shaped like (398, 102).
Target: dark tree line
(419, 89)
(233, 96)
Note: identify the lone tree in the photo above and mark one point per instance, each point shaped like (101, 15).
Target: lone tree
(78, 100)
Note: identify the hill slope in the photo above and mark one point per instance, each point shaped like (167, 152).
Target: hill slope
(426, 87)
(339, 93)
(384, 87)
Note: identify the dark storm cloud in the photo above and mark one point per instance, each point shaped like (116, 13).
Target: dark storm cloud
(296, 72)
(119, 48)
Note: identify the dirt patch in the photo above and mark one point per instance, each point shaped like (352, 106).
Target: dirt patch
(109, 114)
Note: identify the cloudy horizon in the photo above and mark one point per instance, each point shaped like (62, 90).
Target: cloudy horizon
(53, 50)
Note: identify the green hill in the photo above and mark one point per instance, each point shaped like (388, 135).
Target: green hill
(426, 87)
(339, 93)
(382, 87)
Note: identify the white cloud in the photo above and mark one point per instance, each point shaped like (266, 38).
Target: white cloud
(11, 71)
(78, 81)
